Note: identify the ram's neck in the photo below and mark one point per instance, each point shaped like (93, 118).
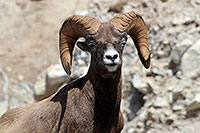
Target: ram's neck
(106, 95)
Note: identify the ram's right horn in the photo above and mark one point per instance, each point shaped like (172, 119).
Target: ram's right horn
(134, 25)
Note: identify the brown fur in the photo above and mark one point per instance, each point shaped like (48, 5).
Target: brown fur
(86, 105)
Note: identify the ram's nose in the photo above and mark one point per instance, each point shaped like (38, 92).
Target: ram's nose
(111, 57)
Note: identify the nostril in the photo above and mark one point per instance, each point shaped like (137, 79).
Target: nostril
(115, 56)
(109, 57)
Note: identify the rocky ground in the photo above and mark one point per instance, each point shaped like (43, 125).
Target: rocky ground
(165, 98)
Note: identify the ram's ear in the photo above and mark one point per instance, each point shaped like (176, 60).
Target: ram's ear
(81, 43)
(82, 46)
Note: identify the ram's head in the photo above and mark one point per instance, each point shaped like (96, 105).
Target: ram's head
(105, 41)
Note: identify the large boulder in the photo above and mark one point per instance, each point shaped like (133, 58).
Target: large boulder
(191, 61)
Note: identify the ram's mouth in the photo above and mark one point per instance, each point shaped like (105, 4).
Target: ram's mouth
(111, 67)
(112, 64)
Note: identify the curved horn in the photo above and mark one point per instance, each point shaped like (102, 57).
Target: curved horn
(134, 25)
(74, 27)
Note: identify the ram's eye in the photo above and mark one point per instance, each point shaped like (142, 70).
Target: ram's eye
(123, 41)
(91, 44)
(123, 44)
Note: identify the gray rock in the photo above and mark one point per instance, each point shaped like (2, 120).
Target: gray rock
(162, 54)
(161, 102)
(81, 12)
(118, 6)
(40, 86)
(157, 71)
(171, 119)
(140, 85)
(182, 19)
(195, 103)
(3, 92)
(193, 106)
(175, 60)
(3, 107)
(178, 107)
(131, 130)
(191, 60)
(154, 86)
(55, 76)
(49, 81)
(156, 28)
(135, 103)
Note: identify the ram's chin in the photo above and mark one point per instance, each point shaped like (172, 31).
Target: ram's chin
(111, 68)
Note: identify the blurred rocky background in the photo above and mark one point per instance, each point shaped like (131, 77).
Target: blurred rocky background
(164, 98)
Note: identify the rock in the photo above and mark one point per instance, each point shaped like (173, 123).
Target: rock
(195, 104)
(191, 60)
(184, 44)
(20, 95)
(40, 86)
(79, 71)
(179, 74)
(135, 102)
(142, 115)
(170, 73)
(118, 6)
(49, 81)
(55, 77)
(154, 86)
(170, 119)
(157, 71)
(181, 19)
(156, 28)
(178, 88)
(178, 107)
(162, 54)
(140, 85)
(160, 102)
(4, 82)
(176, 56)
(81, 63)
(175, 60)
(131, 130)
(3, 107)
(81, 12)
(20, 77)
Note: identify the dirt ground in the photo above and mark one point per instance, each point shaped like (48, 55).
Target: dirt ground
(29, 35)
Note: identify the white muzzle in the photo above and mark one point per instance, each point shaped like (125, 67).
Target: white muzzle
(111, 59)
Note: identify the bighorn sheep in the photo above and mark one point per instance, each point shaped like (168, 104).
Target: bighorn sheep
(91, 103)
